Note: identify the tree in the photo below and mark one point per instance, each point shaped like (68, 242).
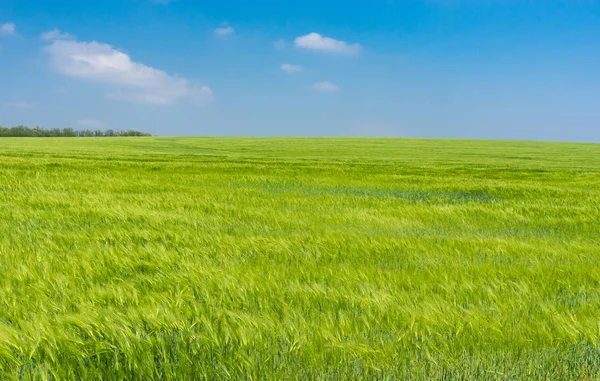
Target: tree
(24, 131)
(68, 132)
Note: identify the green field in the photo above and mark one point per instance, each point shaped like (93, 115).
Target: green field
(298, 259)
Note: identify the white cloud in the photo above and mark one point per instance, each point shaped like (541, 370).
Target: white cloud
(224, 31)
(314, 41)
(133, 81)
(289, 68)
(90, 123)
(325, 87)
(8, 29)
(56, 35)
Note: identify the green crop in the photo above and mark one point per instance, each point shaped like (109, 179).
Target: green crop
(298, 259)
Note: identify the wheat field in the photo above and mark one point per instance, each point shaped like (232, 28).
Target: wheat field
(298, 259)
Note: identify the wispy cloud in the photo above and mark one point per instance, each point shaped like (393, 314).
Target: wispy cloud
(90, 123)
(325, 87)
(289, 68)
(56, 34)
(280, 44)
(315, 41)
(130, 80)
(16, 105)
(224, 31)
(8, 29)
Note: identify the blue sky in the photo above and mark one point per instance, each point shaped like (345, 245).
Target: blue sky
(503, 69)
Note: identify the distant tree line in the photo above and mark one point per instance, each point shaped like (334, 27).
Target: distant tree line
(24, 131)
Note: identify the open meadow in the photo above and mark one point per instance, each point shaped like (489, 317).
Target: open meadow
(298, 259)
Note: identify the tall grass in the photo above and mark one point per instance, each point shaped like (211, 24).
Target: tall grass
(231, 258)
